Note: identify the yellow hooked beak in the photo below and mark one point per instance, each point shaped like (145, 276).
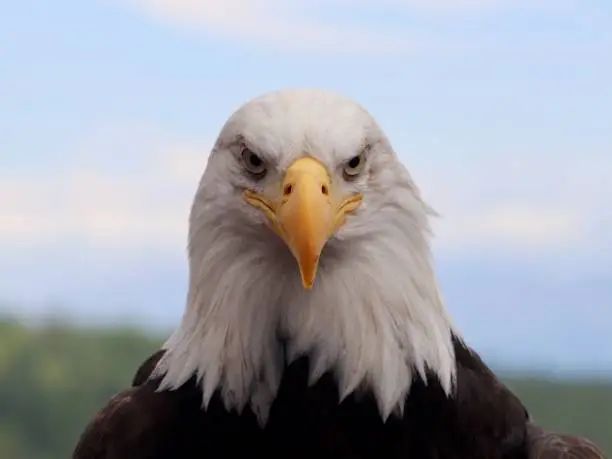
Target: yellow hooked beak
(307, 213)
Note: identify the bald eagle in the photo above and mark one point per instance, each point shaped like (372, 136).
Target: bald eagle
(314, 324)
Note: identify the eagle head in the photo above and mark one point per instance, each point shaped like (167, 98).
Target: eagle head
(307, 227)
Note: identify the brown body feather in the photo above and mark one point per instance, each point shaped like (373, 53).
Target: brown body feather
(482, 420)
(551, 445)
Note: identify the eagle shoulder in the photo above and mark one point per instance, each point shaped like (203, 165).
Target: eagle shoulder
(489, 411)
(124, 427)
(492, 410)
(146, 368)
(544, 444)
(106, 430)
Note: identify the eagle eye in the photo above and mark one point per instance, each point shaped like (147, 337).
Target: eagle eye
(253, 163)
(354, 166)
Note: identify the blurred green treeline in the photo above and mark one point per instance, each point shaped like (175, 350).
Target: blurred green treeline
(54, 377)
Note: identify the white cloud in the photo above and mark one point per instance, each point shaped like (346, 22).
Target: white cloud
(131, 188)
(525, 202)
(435, 6)
(299, 25)
(510, 226)
(272, 23)
(137, 195)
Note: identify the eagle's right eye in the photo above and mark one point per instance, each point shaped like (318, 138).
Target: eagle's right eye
(253, 163)
(354, 166)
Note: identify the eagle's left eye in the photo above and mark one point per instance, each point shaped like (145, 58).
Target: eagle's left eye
(253, 163)
(354, 166)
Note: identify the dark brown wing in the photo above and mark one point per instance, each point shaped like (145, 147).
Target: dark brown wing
(124, 428)
(141, 423)
(97, 439)
(550, 445)
(144, 423)
(484, 396)
(492, 414)
(146, 368)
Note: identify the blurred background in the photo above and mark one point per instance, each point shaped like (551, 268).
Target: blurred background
(501, 110)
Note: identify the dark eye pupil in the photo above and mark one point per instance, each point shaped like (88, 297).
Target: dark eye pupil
(254, 160)
(354, 162)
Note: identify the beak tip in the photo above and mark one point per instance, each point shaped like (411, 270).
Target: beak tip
(308, 271)
(308, 282)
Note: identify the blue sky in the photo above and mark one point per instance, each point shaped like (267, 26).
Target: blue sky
(502, 110)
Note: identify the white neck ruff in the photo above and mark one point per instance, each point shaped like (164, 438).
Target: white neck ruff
(375, 316)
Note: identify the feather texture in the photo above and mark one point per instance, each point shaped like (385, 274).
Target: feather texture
(544, 444)
(482, 419)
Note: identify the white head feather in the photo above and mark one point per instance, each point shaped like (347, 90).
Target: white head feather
(374, 317)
